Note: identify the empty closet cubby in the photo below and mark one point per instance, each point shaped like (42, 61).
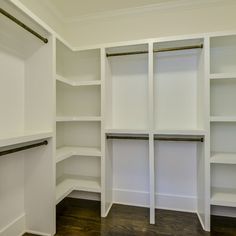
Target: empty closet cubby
(26, 101)
(127, 88)
(178, 86)
(222, 56)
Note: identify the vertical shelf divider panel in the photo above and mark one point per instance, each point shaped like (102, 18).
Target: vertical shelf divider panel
(152, 192)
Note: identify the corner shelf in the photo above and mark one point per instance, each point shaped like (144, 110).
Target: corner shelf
(70, 183)
(223, 76)
(69, 151)
(223, 158)
(24, 137)
(80, 83)
(77, 118)
(223, 197)
(223, 118)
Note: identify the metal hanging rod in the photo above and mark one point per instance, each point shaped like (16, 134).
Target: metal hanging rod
(21, 24)
(155, 51)
(183, 138)
(13, 150)
(134, 137)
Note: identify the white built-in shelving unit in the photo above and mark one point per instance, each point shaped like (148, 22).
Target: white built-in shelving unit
(223, 120)
(78, 122)
(122, 124)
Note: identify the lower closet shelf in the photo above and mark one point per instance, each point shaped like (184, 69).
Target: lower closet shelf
(65, 152)
(223, 158)
(223, 197)
(69, 183)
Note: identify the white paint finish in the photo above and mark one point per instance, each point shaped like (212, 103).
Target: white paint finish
(12, 103)
(40, 214)
(223, 76)
(222, 176)
(16, 227)
(69, 151)
(223, 54)
(78, 8)
(178, 21)
(175, 93)
(78, 66)
(223, 197)
(223, 119)
(85, 134)
(83, 166)
(223, 158)
(163, 201)
(71, 183)
(77, 118)
(223, 211)
(129, 91)
(223, 137)
(78, 101)
(175, 167)
(80, 83)
(11, 188)
(130, 165)
(223, 96)
(24, 138)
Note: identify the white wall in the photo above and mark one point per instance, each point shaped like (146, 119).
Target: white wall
(156, 23)
(197, 17)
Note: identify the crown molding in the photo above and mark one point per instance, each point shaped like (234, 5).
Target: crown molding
(148, 8)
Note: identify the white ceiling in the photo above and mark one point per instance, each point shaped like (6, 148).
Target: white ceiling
(80, 8)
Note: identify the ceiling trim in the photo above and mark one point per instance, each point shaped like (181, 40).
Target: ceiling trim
(135, 10)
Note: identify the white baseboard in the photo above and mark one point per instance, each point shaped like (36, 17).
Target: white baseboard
(16, 227)
(163, 201)
(37, 233)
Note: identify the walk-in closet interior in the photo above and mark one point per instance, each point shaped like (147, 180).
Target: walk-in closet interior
(148, 123)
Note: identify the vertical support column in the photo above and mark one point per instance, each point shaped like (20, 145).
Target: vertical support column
(103, 177)
(106, 151)
(207, 138)
(151, 136)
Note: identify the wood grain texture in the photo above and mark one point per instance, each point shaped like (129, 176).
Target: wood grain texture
(82, 218)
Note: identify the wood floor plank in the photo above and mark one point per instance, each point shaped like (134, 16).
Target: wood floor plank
(82, 218)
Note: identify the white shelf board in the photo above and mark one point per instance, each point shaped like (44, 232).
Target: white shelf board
(180, 132)
(223, 76)
(65, 152)
(125, 131)
(76, 83)
(223, 158)
(24, 137)
(70, 183)
(77, 118)
(223, 118)
(223, 197)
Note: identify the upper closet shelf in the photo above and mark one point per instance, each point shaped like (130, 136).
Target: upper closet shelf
(77, 83)
(126, 131)
(69, 151)
(223, 118)
(23, 138)
(223, 76)
(223, 158)
(181, 132)
(77, 118)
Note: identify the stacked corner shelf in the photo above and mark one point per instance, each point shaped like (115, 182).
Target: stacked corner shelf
(78, 121)
(223, 120)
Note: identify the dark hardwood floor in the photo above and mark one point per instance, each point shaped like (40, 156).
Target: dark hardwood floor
(82, 218)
